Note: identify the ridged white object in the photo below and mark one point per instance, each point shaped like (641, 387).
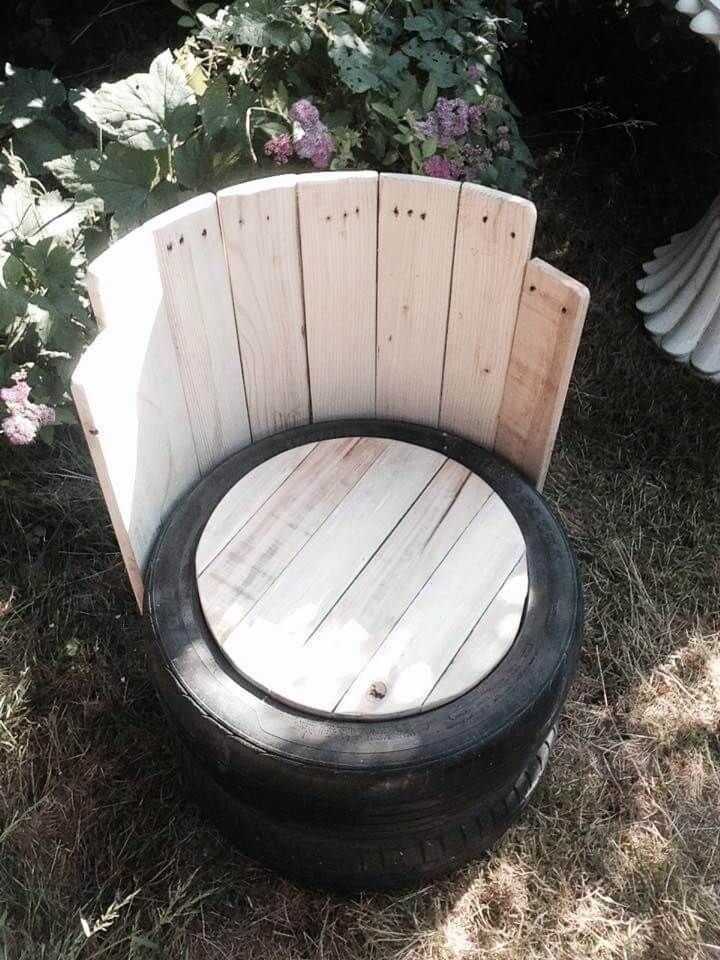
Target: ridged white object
(681, 286)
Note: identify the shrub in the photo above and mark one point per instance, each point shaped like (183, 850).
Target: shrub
(258, 86)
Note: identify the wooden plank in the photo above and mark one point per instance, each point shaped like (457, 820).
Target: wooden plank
(550, 321)
(245, 499)
(256, 556)
(489, 641)
(199, 304)
(260, 231)
(494, 239)
(264, 645)
(123, 283)
(338, 231)
(426, 638)
(381, 593)
(416, 237)
(131, 404)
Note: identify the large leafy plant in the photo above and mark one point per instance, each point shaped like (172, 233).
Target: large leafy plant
(399, 85)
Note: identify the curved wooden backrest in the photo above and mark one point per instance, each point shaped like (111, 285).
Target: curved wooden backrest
(304, 298)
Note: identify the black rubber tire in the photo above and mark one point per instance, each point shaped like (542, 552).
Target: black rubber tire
(392, 858)
(407, 775)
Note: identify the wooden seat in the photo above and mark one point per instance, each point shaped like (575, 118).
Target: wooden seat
(362, 576)
(292, 300)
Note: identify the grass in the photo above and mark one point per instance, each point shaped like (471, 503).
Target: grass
(101, 855)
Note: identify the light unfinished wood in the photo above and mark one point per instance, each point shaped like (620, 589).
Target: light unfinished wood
(199, 305)
(416, 239)
(337, 598)
(131, 405)
(490, 639)
(294, 605)
(123, 283)
(338, 231)
(238, 577)
(419, 648)
(315, 260)
(381, 593)
(260, 231)
(550, 321)
(240, 503)
(494, 238)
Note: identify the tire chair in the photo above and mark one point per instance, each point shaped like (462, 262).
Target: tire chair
(321, 409)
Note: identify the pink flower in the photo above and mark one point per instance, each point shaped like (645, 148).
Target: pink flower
(503, 146)
(445, 169)
(304, 113)
(26, 417)
(448, 121)
(311, 138)
(19, 394)
(280, 149)
(19, 430)
(476, 115)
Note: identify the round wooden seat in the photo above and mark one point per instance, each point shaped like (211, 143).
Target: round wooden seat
(362, 577)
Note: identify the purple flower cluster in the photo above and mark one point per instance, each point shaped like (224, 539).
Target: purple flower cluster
(474, 73)
(448, 121)
(280, 149)
(25, 417)
(311, 138)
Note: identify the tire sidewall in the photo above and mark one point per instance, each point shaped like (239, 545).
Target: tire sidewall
(252, 740)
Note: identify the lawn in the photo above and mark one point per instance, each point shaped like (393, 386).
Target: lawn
(101, 853)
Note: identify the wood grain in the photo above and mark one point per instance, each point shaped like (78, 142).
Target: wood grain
(550, 321)
(494, 238)
(199, 305)
(383, 590)
(260, 231)
(416, 237)
(131, 405)
(338, 231)
(426, 638)
(249, 565)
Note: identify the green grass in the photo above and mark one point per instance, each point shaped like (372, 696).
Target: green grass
(618, 856)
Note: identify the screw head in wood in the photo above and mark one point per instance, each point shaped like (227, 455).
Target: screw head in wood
(377, 690)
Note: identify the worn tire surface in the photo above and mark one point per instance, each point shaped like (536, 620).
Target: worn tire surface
(364, 804)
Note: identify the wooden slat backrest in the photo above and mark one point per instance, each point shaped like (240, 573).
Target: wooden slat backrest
(194, 277)
(338, 236)
(262, 242)
(316, 297)
(492, 246)
(416, 238)
(547, 333)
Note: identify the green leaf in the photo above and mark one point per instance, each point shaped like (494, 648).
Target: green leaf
(437, 63)
(255, 23)
(188, 22)
(429, 147)
(25, 215)
(215, 106)
(384, 110)
(356, 69)
(416, 154)
(431, 25)
(128, 182)
(43, 140)
(429, 95)
(182, 5)
(26, 95)
(146, 111)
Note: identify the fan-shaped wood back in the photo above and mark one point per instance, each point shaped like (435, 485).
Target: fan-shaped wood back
(294, 299)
